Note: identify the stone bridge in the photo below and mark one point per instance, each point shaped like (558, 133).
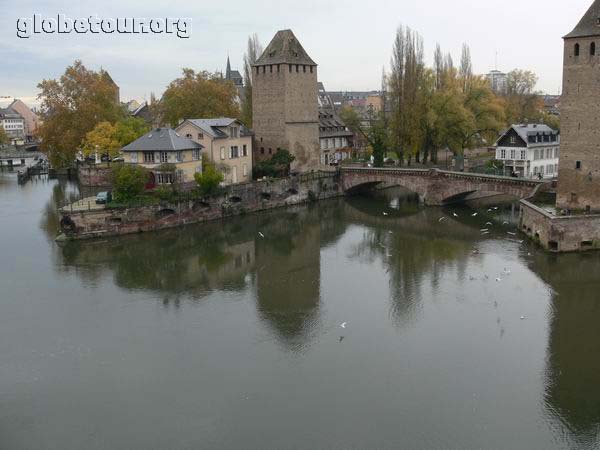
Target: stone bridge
(436, 187)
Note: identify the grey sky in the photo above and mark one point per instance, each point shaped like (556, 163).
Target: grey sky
(350, 40)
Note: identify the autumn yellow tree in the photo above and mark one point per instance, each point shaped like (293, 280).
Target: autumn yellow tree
(102, 139)
(71, 107)
(198, 95)
(3, 136)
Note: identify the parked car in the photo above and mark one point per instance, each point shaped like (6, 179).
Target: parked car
(103, 197)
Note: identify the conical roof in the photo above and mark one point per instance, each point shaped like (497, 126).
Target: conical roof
(589, 25)
(284, 48)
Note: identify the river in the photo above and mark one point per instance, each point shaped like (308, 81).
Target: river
(229, 334)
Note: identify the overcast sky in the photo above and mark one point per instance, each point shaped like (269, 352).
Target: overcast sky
(350, 40)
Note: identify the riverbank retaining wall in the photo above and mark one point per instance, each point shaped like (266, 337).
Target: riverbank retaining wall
(560, 233)
(97, 176)
(237, 199)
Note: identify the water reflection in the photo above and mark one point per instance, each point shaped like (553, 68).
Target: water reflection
(276, 259)
(573, 361)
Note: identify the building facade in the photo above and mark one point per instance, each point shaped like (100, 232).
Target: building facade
(334, 137)
(227, 143)
(285, 103)
(13, 124)
(168, 156)
(579, 167)
(529, 151)
(31, 119)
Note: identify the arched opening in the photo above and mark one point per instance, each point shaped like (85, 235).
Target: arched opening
(164, 213)
(292, 191)
(363, 187)
(576, 50)
(235, 199)
(593, 49)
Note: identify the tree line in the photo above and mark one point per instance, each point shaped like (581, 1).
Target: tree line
(428, 109)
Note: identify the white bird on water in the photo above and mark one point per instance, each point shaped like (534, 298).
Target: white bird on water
(455, 215)
(441, 218)
(473, 215)
(489, 223)
(498, 280)
(385, 214)
(261, 235)
(343, 325)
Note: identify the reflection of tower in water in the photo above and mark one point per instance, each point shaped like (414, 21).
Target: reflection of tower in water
(573, 363)
(288, 276)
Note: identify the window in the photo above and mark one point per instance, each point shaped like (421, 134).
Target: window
(523, 155)
(134, 156)
(556, 152)
(148, 157)
(270, 150)
(222, 152)
(578, 165)
(244, 150)
(297, 68)
(573, 197)
(200, 136)
(164, 157)
(262, 150)
(513, 139)
(245, 170)
(502, 154)
(196, 154)
(576, 50)
(593, 49)
(164, 178)
(513, 154)
(233, 132)
(290, 67)
(189, 135)
(234, 152)
(311, 69)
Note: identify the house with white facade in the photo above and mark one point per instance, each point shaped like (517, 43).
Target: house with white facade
(13, 124)
(529, 151)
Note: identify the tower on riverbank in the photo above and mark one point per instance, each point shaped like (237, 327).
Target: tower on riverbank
(579, 166)
(285, 102)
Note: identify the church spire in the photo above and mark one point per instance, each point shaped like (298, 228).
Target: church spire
(228, 70)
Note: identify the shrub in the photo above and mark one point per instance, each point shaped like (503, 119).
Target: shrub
(209, 180)
(276, 166)
(128, 181)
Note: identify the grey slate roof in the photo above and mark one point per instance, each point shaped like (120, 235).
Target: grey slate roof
(9, 113)
(532, 129)
(588, 25)
(211, 126)
(284, 48)
(161, 139)
(331, 125)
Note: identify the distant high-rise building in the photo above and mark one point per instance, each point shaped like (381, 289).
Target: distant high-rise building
(285, 102)
(498, 81)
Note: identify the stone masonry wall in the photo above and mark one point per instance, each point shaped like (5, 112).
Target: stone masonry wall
(94, 176)
(238, 199)
(579, 188)
(560, 233)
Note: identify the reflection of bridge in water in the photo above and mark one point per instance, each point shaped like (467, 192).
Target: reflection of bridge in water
(436, 187)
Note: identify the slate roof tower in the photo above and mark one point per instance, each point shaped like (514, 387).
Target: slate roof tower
(285, 102)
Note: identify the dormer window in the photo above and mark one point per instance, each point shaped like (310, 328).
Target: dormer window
(233, 132)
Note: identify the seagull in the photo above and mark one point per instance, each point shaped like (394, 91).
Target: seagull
(522, 317)
(498, 280)
(495, 208)
(441, 218)
(483, 230)
(261, 235)
(385, 214)
(511, 233)
(343, 325)
(473, 215)
(489, 223)
(505, 223)
(454, 214)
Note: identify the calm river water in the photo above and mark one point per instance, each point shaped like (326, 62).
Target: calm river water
(212, 336)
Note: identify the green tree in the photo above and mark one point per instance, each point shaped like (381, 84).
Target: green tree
(277, 165)
(71, 107)
(523, 102)
(209, 179)
(252, 54)
(3, 137)
(373, 130)
(128, 181)
(129, 129)
(198, 94)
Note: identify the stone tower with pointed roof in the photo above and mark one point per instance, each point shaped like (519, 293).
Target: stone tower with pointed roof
(285, 102)
(579, 166)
